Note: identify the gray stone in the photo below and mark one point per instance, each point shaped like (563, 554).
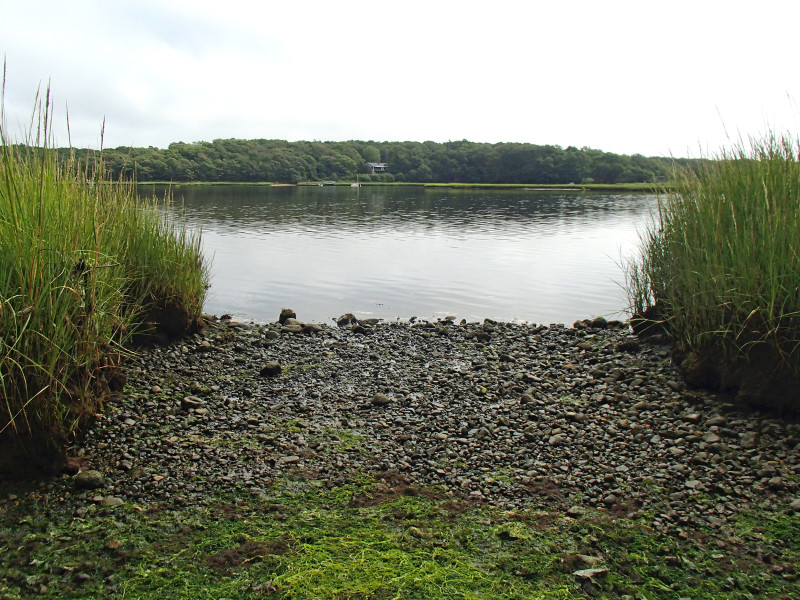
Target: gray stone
(89, 480)
(748, 439)
(286, 313)
(598, 323)
(590, 573)
(574, 511)
(271, 369)
(191, 402)
(776, 483)
(380, 400)
(346, 319)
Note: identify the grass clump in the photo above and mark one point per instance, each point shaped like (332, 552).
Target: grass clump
(720, 266)
(83, 264)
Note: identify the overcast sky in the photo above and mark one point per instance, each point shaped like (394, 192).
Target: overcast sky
(655, 78)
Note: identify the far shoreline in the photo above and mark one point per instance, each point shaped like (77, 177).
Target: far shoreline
(530, 187)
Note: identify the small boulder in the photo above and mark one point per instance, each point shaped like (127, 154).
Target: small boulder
(271, 369)
(346, 319)
(286, 313)
(191, 402)
(292, 325)
(380, 400)
(598, 323)
(89, 480)
(748, 440)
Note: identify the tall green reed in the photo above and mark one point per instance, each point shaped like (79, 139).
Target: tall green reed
(721, 259)
(82, 263)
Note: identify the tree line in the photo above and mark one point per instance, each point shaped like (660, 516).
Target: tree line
(262, 160)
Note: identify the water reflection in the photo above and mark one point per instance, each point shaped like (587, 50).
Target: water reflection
(397, 252)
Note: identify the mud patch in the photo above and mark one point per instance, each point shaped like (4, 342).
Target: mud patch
(390, 488)
(246, 553)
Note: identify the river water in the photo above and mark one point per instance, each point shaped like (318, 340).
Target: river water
(397, 252)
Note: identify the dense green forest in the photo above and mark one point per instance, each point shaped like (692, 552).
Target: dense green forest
(461, 161)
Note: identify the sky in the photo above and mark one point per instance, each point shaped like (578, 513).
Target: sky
(684, 78)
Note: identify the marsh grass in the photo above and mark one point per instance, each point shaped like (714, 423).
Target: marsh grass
(82, 264)
(721, 260)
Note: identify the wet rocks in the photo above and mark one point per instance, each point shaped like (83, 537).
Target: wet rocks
(509, 414)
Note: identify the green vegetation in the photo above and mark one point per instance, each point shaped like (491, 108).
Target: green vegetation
(279, 161)
(721, 264)
(378, 539)
(83, 265)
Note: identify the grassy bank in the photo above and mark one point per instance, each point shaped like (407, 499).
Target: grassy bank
(83, 267)
(721, 263)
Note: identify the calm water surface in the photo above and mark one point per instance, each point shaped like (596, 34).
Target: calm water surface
(392, 252)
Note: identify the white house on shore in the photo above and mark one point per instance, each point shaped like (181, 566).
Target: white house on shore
(377, 167)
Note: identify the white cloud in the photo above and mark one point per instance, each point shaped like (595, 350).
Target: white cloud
(621, 76)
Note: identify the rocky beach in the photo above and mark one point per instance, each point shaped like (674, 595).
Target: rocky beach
(575, 421)
(510, 414)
